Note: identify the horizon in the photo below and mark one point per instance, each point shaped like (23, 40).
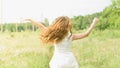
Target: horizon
(16, 10)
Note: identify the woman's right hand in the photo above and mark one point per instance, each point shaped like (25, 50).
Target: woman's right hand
(95, 20)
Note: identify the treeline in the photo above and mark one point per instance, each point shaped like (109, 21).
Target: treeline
(19, 27)
(109, 18)
(82, 22)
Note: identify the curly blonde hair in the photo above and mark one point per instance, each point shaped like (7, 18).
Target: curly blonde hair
(57, 31)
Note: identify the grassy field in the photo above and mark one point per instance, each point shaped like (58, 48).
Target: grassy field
(23, 50)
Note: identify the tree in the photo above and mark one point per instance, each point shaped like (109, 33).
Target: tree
(45, 22)
(116, 3)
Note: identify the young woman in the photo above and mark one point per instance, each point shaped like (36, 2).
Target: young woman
(60, 34)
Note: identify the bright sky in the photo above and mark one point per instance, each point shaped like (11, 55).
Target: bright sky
(15, 10)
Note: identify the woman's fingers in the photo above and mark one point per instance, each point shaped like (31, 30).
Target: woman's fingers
(96, 19)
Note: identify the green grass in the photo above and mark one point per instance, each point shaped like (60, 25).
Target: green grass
(23, 50)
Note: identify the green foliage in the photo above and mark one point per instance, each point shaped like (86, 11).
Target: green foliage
(83, 22)
(9, 27)
(106, 12)
(20, 27)
(116, 3)
(13, 27)
(109, 18)
(46, 22)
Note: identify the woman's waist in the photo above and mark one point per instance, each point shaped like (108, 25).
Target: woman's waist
(62, 50)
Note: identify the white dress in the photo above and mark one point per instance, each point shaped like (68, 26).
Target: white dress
(63, 57)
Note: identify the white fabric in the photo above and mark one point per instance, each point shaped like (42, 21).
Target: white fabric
(63, 57)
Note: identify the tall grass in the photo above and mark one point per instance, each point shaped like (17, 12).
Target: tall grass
(24, 50)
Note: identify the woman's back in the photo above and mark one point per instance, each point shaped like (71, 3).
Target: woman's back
(63, 57)
(64, 45)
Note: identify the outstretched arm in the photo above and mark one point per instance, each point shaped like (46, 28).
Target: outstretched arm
(85, 34)
(41, 26)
